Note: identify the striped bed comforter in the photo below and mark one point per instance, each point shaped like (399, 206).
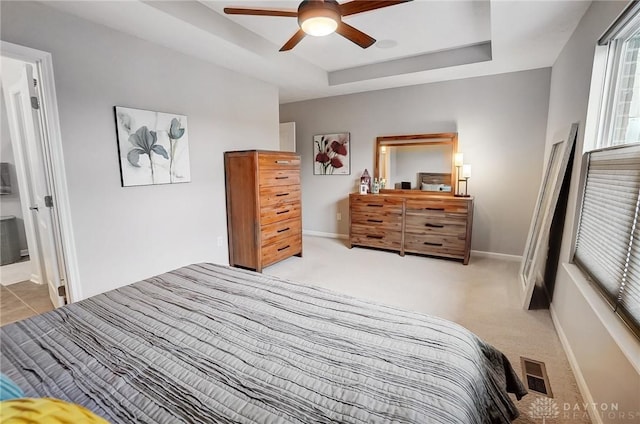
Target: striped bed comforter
(213, 344)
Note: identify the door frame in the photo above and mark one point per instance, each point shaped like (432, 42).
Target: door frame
(44, 65)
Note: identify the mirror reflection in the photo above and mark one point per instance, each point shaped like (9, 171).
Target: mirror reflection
(422, 162)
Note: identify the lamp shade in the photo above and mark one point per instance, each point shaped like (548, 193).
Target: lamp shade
(458, 158)
(466, 171)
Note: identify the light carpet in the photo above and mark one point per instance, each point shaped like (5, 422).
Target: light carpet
(483, 296)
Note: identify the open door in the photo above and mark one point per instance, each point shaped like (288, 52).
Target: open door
(26, 131)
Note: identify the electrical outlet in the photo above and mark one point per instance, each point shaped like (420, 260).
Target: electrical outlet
(339, 216)
(220, 241)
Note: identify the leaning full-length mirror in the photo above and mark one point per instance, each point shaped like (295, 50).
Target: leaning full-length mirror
(531, 268)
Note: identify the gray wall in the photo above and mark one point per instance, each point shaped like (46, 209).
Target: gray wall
(606, 370)
(500, 120)
(125, 234)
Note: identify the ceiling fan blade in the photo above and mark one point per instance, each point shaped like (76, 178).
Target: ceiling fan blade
(293, 41)
(359, 6)
(355, 35)
(260, 12)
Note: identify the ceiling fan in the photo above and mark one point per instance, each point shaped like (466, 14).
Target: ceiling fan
(322, 17)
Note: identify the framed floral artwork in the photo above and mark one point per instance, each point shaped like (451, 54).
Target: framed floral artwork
(331, 154)
(153, 147)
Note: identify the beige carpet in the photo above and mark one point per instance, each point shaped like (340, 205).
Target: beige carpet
(482, 296)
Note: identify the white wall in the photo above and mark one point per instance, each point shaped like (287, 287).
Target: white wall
(604, 353)
(125, 234)
(500, 120)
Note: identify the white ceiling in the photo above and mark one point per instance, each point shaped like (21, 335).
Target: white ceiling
(436, 40)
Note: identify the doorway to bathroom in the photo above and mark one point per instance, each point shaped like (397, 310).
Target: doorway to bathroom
(36, 243)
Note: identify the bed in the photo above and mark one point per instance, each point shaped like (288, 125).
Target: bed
(431, 181)
(208, 343)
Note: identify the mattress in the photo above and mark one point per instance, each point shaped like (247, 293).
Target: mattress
(213, 344)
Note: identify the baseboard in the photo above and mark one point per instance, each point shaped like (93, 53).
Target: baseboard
(15, 273)
(573, 363)
(494, 255)
(323, 234)
(480, 253)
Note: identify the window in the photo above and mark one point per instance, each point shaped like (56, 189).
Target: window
(608, 241)
(620, 116)
(608, 238)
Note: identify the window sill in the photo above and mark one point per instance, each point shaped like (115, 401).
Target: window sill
(620, 333)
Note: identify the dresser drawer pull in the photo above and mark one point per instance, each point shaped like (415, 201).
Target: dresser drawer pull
(433, 225)
(281, 212)
(284, 248)
(434, 209)
(374, 205)
(375, 220)
(282, 194)
(285, 177)
(282, 230)
(432, 244)
(375, 237)
(283, 162)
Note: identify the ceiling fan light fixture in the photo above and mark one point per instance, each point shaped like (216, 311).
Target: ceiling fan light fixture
(319, 26)
(318, 18)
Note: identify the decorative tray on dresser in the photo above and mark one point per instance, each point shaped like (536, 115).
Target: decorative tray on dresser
(405, 222)
(264, 216)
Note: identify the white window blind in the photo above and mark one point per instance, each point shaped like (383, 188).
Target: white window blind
(608, 242)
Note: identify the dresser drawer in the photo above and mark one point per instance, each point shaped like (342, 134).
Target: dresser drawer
(437, 205)
(435, 245)
(280, 229)
(278, 161)
(370, 203)
(279, 195)
(280, 213)
(281, 249)
(365, 221)
(279, 177)
(376, 238)
(442, 224)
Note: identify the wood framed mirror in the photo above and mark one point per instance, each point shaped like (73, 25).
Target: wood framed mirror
(417, 163)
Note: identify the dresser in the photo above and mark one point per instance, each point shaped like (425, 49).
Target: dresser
(423, 224)
(264, 215)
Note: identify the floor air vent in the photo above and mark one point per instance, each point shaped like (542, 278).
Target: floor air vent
(535, 376)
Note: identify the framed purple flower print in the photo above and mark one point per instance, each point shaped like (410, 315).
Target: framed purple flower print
(331, 154)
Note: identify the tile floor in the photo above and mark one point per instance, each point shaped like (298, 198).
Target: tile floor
(23, 300)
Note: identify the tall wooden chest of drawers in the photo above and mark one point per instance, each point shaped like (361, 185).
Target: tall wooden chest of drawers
(414, 223)
(264, 215)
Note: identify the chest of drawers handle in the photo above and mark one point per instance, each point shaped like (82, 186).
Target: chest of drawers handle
(375, 220)
(282, 230)
(432, 244)
(434, 209)
(282, 194)
(281, 212)
(283, 248)
(375, 237)
(374, 205)
(433, 225)
(283, 162)
(285, 177)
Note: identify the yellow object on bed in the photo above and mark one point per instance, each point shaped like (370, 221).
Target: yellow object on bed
(46, 411)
